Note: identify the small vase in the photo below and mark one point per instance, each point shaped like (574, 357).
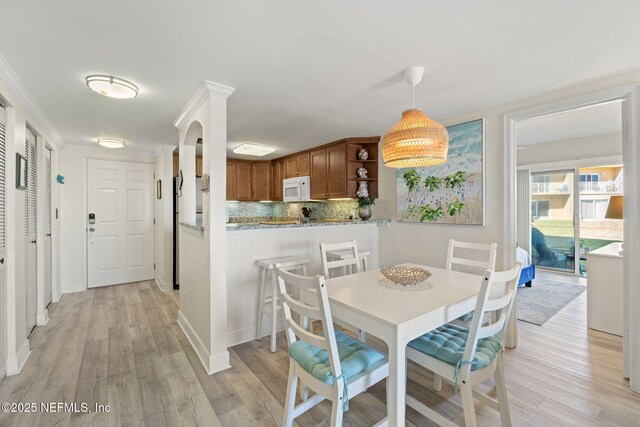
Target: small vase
(365, 213)
(363, 154)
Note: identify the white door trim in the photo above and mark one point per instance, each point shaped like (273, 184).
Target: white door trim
(631, 155)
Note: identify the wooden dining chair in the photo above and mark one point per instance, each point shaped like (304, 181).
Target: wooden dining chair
(350, 264)
(333, 365)
(467, 357)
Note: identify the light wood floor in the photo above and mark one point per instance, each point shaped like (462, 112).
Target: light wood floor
(121, 346)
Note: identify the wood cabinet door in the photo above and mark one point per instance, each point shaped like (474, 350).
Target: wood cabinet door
(199, 166)
(260, 181)
(318, 172)
(176, 165)
(290, 167)
(337, 171)
(276, 179)
(243, 181)
(231, 180)
(302, 164)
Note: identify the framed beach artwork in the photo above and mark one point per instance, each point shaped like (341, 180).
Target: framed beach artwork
(451, 193)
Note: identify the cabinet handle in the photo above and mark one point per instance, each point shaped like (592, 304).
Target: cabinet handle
(1, 260)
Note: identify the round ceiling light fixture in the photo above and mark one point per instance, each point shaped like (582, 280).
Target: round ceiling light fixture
(416, 140)
(113, 87)
(111, 143)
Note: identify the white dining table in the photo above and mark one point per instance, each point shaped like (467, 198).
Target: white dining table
(399, 316)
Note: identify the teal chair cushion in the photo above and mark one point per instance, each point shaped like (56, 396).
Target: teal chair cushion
(466, 318)
(355, 357)
(447, 343)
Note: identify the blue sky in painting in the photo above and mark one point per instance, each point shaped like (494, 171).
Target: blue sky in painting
(465, 151)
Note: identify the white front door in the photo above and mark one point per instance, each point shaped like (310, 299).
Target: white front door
(47, 224)
(30, 230)
(120, 222)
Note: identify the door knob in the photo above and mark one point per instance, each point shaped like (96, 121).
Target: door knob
(92, 229)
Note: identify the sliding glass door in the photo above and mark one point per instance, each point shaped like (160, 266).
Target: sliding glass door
(553, 227)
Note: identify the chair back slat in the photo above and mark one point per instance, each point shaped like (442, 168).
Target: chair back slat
(497, 292)
(489, 263)
(354, 261)
(317, 307)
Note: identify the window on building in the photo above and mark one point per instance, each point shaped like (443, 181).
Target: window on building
(594, 209)
(539, 209)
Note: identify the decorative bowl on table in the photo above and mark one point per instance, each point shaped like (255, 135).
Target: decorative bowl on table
(406, 276)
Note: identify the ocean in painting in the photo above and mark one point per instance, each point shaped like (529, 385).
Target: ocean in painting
(451, 193)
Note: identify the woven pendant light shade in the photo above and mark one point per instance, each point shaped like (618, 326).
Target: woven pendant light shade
(416, 140)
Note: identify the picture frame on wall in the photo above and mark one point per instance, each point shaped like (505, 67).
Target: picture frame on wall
(159, 189)
(21, 172)
(451, 193)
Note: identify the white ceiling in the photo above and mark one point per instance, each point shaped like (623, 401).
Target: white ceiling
(601, 119)
(305, 73)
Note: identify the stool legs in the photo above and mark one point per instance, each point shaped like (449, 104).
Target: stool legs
(261, 303)
(274, 310)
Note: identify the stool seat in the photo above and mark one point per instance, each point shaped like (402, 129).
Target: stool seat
(267, 266)
(270, 263)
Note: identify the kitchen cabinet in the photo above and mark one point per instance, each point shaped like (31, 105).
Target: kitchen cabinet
(329, 172)
(297, 165)
(261, 181)
(238, 180)
(277, 174)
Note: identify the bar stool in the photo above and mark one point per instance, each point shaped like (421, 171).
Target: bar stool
(267, 267)
(346, 254)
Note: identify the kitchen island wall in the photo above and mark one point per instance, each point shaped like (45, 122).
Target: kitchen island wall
(246, 245)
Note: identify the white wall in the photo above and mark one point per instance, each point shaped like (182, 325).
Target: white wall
(21, 111)
(164, 218)
(591, 147)
(427, 243)
(73, 208)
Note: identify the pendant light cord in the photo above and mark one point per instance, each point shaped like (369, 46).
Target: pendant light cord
(414, 95)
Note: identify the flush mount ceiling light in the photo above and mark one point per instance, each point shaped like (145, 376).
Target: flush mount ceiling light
(253, 149)
(416, 140)
(111, 143)
(113, 87)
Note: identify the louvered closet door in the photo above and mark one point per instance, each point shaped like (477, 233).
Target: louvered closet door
(30, 229)
(3, 240)
(47, 224)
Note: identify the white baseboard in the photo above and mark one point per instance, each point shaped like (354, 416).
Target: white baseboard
(3, 370)
(74, 287)
(15, 364)
(42, 318)
(55, 296)
(212, 364)
(242, 336)
(164, 286)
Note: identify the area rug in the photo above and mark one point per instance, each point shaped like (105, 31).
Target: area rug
(544, 299)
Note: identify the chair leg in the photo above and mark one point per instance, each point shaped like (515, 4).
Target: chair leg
(290, 402)
(274, 311)
(437, 382)
(261, 303)
(501, 388)
(365, 266)
(336, 414)
(468, 406)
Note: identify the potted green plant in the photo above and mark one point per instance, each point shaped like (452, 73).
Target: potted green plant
(364, 207)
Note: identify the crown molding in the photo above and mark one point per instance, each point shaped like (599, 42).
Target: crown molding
(205, 89)
(11, 79)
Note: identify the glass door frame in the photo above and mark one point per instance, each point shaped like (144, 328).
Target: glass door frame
(576, 212)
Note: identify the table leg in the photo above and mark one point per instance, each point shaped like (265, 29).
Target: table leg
(396, 384)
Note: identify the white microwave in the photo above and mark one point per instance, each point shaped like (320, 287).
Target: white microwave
(296, 189)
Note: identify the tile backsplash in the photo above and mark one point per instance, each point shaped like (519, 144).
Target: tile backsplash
(332, 209)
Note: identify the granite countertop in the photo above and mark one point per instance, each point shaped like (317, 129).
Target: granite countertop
(258, 226)
(193, 225)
